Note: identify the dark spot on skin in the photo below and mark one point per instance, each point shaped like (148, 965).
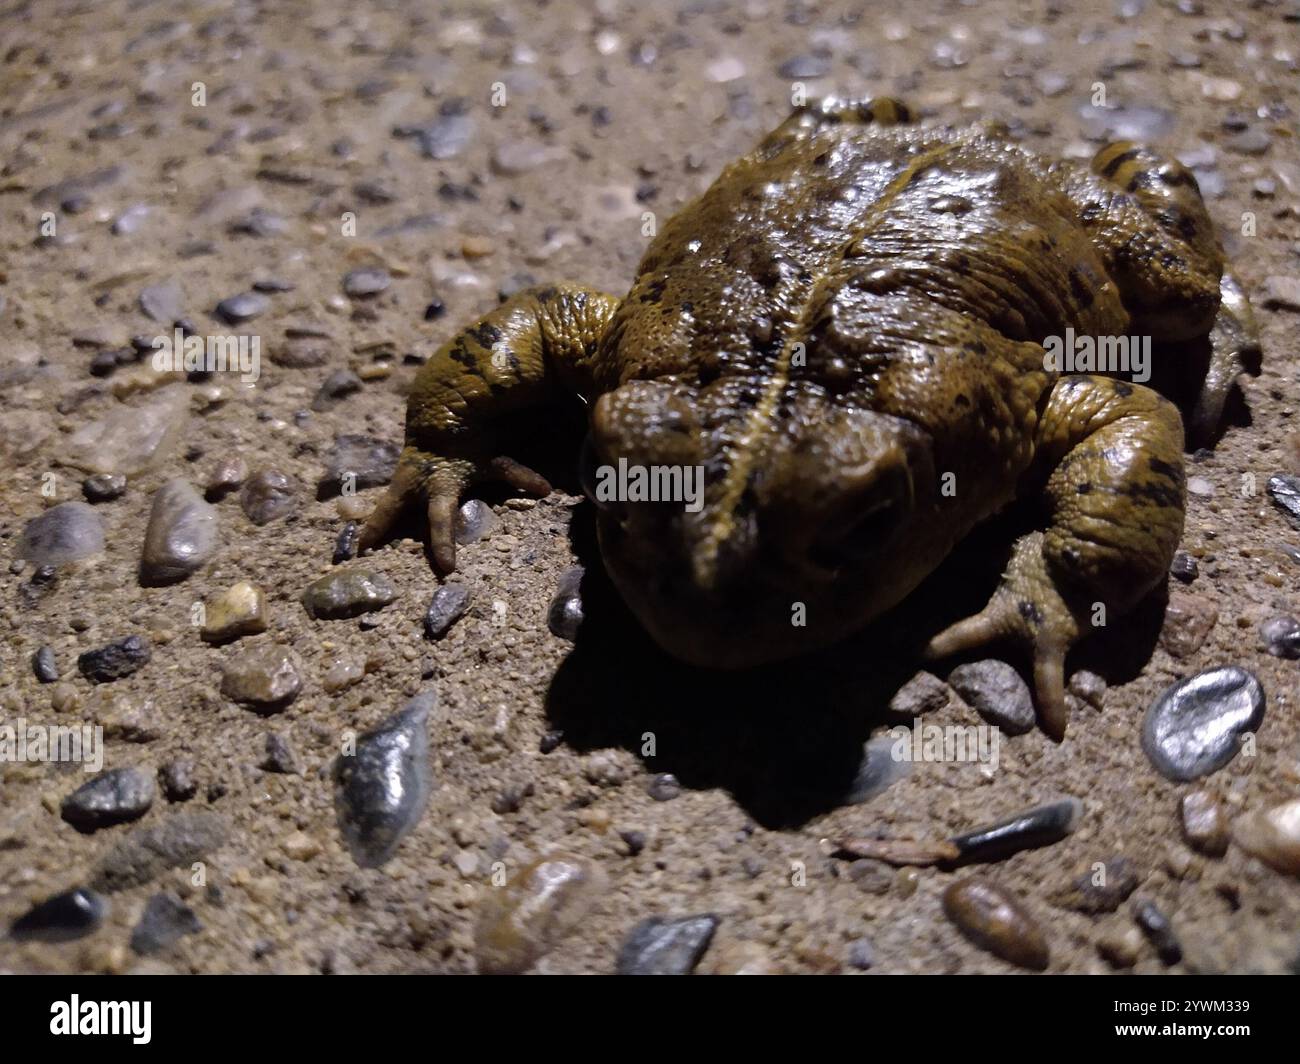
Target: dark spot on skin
(1170, 498)
(1030, 612)
(961, 400)
(546, 295)
(1123, 157)
(1121, 389)
(1090, 212)
(484, 334)
(461, 355)
(1169, 261)
(1164, 469)
(1178, 177)
(655, 292)
(1083, 489)
(688, 307)
(1072, 557)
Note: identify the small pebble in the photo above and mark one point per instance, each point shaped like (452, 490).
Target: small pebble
(338, 385)
(342, 674)
(996, 921)
(345, 546)
(1205, 823)
(369, 281)
(923, 693)
(181, 536)
(448, 605)
(1089, 687)
(862, 954)
(115, 660)
(238, 611)
(267, 495)
(357, 461)
(61, 918)
(475, 521)
(348, 593)
(243, 307)
(664, 787)
(146, 852)
(1158, 930)
(1189, 620)
(64, 533)
(165, 921)
(1184, 567)
(1281, 636)
(227, 475)
(280, 756)
(1272, 835)
(521, 922)
(103, 487)
(265, 678)
(1194, 728)
(663, 946)
(382, 788)
(998, 693)
(177, 779)
(112, 797)
(1102, 887)
(1284, 490)
(45, 666)
(564, 616)
(1040, 826)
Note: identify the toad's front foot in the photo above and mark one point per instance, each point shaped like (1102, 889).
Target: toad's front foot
(1029, 607)
(440, 483)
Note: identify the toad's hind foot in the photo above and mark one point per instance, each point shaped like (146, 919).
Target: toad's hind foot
(1027, 607)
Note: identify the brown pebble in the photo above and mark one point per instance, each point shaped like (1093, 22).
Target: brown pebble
(1188, 620)
(1205, 825)
(996, 921)
(1272, 835)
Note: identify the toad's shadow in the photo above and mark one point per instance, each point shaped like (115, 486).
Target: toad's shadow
(785, 740)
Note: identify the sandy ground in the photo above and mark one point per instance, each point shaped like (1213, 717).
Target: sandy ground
(611, 110)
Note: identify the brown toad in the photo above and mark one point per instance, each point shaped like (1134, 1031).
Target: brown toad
(846, 334)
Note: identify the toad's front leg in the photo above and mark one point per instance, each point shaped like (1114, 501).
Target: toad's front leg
(1112, 453)
(520, 357)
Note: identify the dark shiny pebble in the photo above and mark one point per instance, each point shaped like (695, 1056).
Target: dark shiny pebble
(1028, 830)
(44, 665)
(1159, 931)
(448, 605)
(165, 921)
(564, 616)
(1285, 493)
(660, 946)
(112, 797)
(1195, 726)
(435, 310)
(551, 740)
(804, 66)
(1281, 637)
(345, 546)
(1184, 567)
(359, 461)
(61, 918)
(103, 487)
(115, 660)
(338, 385)
(381, 790)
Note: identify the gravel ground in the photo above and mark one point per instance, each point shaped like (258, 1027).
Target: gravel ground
(364, 177)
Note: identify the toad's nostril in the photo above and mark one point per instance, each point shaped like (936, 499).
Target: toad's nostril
(866, 524)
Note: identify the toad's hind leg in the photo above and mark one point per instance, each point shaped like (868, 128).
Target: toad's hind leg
(538, 344)
(1112, 455)
(1165, 256)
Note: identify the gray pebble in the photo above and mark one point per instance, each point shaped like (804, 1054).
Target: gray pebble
(359, 462)
(145, 853)
(1285, 492)
(923, 693)
(1281, 637)
(448, 605)
(445, 137)
(164, 303)
(861, 954)
(112, 797)
(114, 660)
(61, 918)
(165, 921)
(345, 546)
(664, 787)
(44, 665)
(348, 593)
(804, 66)
(181, 536)
(338, 385)
(381, 789)
(280, 756)
(475, 520)
(1026, 830)
(1184, 567)
(368, 281)
(662, 946)
(1159, 931)
(62, 534)
(268, 495)
(177, 779)
(1194, 727)
(103, 487)
(243, 307)
(997, 692)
